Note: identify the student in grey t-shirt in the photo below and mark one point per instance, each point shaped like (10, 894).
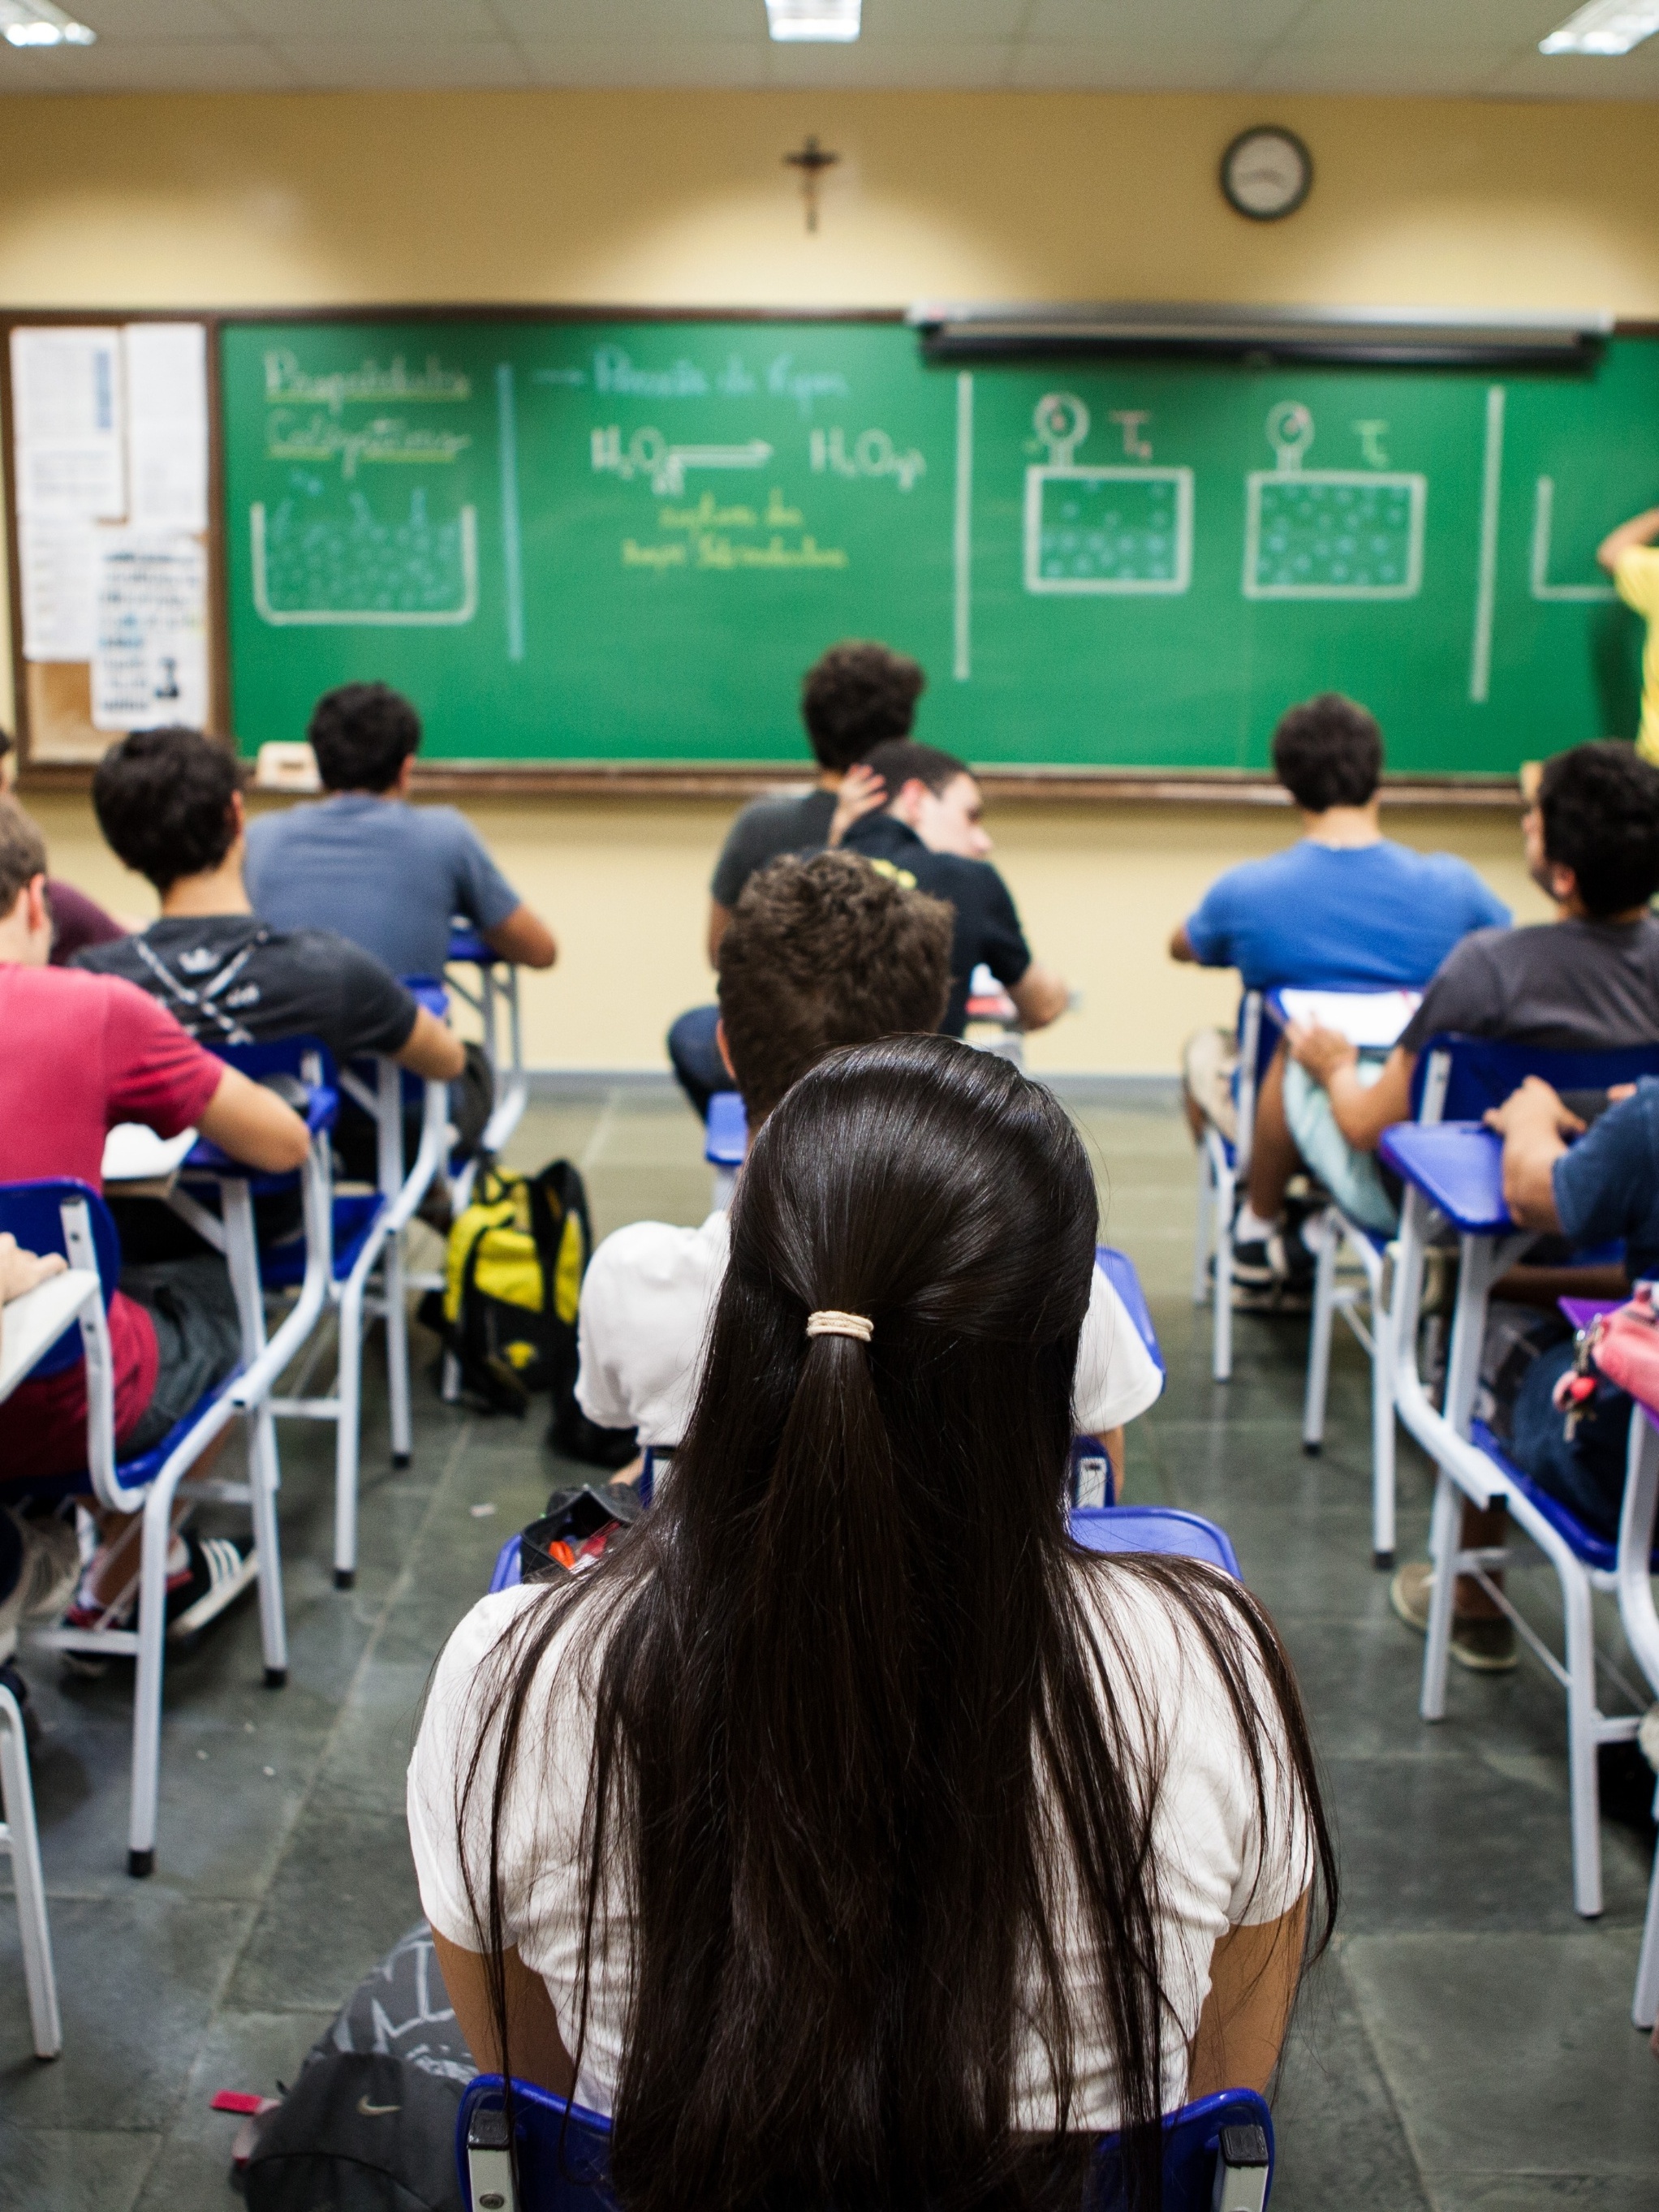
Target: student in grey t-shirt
(854, 697)
(366, 863)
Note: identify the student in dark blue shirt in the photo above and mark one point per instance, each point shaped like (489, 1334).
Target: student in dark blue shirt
(1345, 908)
(1602, 1187)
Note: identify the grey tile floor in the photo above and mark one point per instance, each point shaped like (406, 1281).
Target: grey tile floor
(1465, 2045)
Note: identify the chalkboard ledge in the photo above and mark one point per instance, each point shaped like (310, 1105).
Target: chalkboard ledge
(735, 782)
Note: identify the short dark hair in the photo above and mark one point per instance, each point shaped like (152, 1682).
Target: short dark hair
(854, 695)
(823, 952)
(1600, 805)
(5, 742)
(904, 762)
(361, 734)
(163, 799)
(1328, 753)
(22, 853)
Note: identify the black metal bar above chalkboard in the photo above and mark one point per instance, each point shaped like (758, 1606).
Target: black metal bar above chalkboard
(1373, 336)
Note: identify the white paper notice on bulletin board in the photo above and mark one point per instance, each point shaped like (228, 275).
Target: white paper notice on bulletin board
(69, 447)
(149, 662)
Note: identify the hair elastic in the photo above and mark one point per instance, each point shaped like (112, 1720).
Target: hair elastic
(831, 1323)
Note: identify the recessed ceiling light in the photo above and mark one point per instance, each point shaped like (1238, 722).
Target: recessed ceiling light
(38, 23)
(1605, 27)
(834, 20)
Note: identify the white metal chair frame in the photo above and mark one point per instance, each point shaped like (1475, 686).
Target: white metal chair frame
(1219, 1176)
(1465, 1472)
(1336, 1237)
(497, 990)
(1640, 1623)
(248, 1398)
(375, 1287)
(21, 1843)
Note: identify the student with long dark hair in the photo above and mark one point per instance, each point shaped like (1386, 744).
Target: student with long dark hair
(849, 1834)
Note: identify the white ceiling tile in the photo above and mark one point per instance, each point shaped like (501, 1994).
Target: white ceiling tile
(1140, 66)
(1634, 76)
(1500, 27)
(895, 64)
(708, 63)
(404, 64)
(656, 22)
(885, 21)
(365, 22)
(1118, 23)
(180, 67)
(120, 22)
(1429, 71)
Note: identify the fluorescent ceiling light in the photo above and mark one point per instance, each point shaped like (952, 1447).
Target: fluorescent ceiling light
(835, 20)
(38, 23)
(1605, 27)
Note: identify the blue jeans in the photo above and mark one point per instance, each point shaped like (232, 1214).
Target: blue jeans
(1587, 1472)
(696, 1057)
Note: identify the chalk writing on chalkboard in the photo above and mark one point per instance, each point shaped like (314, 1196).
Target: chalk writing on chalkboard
(1119, 530)
(369, 385)
(648, 452)
(1543, 521)
(872, 453)
(335, 568)
(1330, 533)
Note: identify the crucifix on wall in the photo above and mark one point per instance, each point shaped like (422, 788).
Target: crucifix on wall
(812, 160)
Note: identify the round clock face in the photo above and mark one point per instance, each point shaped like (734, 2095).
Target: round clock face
(1267, 173)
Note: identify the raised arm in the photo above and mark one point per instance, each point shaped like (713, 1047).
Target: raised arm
(524, 938)
(254, 1126)
(434, 1050)
(1641, 530)
(1040, 996)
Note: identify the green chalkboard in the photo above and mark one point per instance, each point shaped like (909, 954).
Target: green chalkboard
(623, 541)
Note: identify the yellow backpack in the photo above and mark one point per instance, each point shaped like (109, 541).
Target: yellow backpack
(517, 1256)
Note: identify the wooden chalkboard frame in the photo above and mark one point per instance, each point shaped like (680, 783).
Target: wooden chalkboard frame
(597, 780)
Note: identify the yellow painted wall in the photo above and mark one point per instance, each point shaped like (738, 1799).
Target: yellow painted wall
(679, 198)
(625, 890)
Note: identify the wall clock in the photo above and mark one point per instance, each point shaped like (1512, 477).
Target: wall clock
(1266, 173)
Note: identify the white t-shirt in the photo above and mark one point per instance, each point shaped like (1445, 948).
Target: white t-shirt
(649, 1294)
(1217, 1870)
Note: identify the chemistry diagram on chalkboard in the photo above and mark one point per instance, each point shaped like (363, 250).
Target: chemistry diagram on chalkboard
(1122, 529)
(1329, 533)
(355, 569)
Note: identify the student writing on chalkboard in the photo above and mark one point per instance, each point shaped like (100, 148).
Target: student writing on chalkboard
(1630, 558)
(387, 875)
(852, 697)
(1345, 909)
(929, 832)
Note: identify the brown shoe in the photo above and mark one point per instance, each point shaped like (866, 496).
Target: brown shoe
(1484, 1643)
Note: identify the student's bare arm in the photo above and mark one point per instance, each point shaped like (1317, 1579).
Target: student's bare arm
(433, 1050)
(720, 921)
(1640, 529)
(1040, 996)
(1534, 1126)
(1361, 1113)
(1254, 1972)
(254, 1126)
(1181, 945)
(524, 938)
(534, 2043)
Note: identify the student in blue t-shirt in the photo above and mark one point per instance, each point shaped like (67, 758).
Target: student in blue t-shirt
(1345, 908)
(365, 863)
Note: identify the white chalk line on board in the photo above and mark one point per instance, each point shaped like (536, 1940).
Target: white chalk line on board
(1485, 597)
(507, 421)
(962, 539)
